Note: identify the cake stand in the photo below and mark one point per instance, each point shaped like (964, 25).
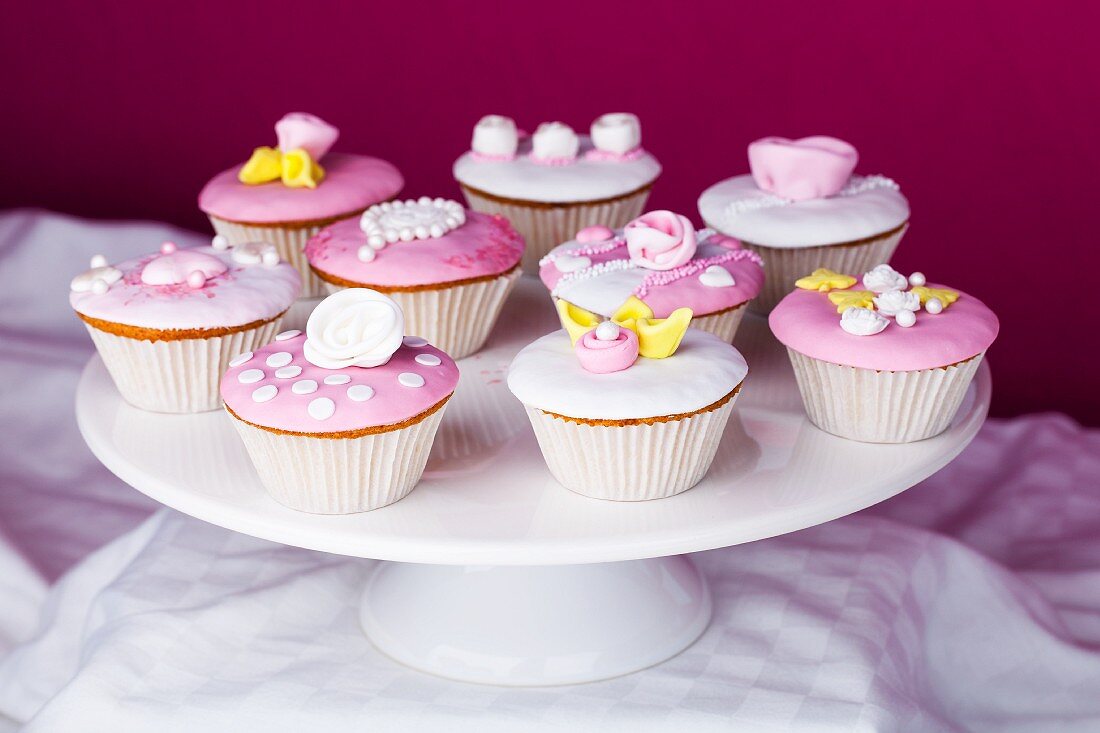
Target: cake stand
(492, 572)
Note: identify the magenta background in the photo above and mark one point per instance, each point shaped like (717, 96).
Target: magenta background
(986, 113)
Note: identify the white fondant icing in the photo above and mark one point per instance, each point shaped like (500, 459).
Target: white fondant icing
(716, 276)
(737, 207)
(360, 392)
(862, 322)
(250, 376)
(337, 379)
(241, 359)
(566, 262)
(279, 359)
(288, 372)
(547, 375)
(321, 408)
(304, 386)
(428, 359)
(265, 393)
(583, 180)
(286, 335)
(410, 379)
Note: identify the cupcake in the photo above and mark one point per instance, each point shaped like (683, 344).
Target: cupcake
(882, 358)
(555, 182)
(341, 419)
(801, 208)
(167, 324)
(657, 263)
(288, 193)
(630, 411)
(449, 269)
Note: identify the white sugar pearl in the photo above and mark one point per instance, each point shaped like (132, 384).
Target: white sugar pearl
(288, 372)
(376, 241)
(321, 408)
(279, 359)
(424, 200)
(428, 359)
(98, 261)
(607, 331)
(410, 379)
(288, 335)
(391, 235)
(406, 234)
(337, 379)
(905, 319)
(436, 231)
(271, 258)
(917, 279)
(934, 306)
(265, 393)
(365, 253)
(414, 342)
(196, 279)
(304, 386)
(241, 358)
(360, 393)
(250, 376)
(219, 242)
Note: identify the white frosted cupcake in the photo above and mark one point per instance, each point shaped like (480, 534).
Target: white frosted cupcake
(628, 412)
(554, 183)
(167, 324)
(882, 358)
(341, 419)
(801, 207)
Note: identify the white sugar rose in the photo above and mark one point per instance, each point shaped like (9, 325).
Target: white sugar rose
(354, 327)
(893, 302)
(862, 322)
(883, 277)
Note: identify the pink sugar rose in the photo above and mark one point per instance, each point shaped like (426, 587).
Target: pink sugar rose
(660, 240)
(309, 132)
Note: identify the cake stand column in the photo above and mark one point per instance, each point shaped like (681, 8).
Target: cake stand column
(543, 625)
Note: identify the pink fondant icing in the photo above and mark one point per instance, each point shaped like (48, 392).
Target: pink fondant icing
(392, 402)
(597, 233)
(485, 245)
(807, 322)
(809, 168)
(605, 357)
(238, 295)
(351, 184)
(685, 291)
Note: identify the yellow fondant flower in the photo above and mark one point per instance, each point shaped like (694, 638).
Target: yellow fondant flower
(845, 299)
(658, 338)
(632, 310)
(296, 168)
(576, 321)
(823, 280)
(945, 296)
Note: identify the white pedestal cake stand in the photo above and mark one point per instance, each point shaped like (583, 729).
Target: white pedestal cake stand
(493, 572)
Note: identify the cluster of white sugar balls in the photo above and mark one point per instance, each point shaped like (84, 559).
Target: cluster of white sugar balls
(404, 221)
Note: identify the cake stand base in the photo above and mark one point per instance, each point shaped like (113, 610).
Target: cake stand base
(543, 625)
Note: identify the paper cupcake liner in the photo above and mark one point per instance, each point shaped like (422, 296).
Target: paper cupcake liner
(340, 475)
(175, 376)
(723, 325)
(456, 319)
(290, 242)
(545, 227)
(782, 266)
(630, 462)
(881, 407)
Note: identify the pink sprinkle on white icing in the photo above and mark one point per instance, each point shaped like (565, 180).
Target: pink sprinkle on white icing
(486, 158)
(664, 277)
(557, 162)
(605, 156)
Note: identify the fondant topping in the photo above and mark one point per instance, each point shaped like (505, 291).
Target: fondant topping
(617, 133)
(484, 245)
(584, 179)
(600, 276)
(660, 240)
(806, 321)
(867, 206)
(234, 296)
(554, 142)
(362, 398)
(352, 327)
(547, 375)
(810, 168)
(607, 348)
(495, 137)
(303, 141)
(351, 184)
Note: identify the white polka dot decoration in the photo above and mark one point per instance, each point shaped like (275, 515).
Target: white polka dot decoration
(428, 359)
(288, 372)
(265, 393)
(321, 408)
(410, 379)
(360, 392)
(285, 335)
(304, 386)
(279, 359)
(250, 376)
(337, 379)
(414, 342)
(241, 359)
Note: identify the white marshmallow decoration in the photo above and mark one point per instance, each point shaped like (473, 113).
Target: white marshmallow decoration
(934, 306)
(905, 319)
(554, 140)
(495, 136)
(617, 132)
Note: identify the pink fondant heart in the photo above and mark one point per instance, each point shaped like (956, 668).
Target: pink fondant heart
(809, 168)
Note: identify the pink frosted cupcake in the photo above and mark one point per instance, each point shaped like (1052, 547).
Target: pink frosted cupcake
(657, 264)
(449, 269)
(167, 324)
(882, 358)
(554, 183)
(341, 419)
(288, 193)
(801, 207)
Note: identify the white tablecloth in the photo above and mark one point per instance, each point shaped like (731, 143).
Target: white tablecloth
(971, 602)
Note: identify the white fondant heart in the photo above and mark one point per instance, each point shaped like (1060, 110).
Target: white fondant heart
(717, 277)
(571, 263)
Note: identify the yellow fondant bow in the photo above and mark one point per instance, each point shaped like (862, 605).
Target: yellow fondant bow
(295, 167)
(657, 337)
